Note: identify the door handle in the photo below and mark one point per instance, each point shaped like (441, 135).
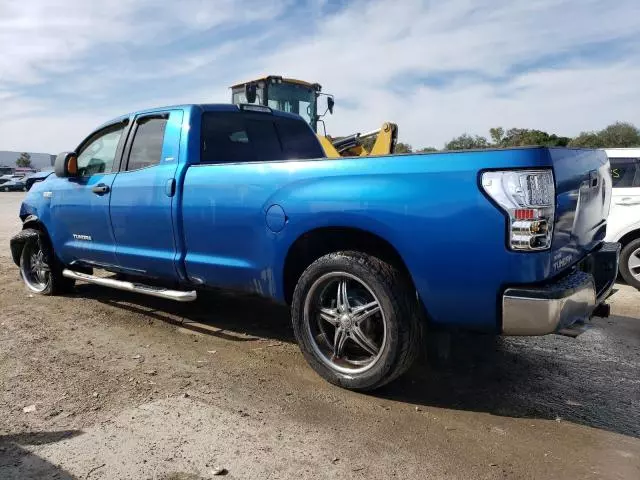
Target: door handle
(100, 189)
(628, 201)
(170, 187)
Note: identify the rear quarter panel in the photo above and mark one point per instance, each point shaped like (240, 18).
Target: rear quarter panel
(428, 206)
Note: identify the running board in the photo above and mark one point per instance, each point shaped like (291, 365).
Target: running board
(175, 295)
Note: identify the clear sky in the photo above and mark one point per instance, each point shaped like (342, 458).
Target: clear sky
(436, 68)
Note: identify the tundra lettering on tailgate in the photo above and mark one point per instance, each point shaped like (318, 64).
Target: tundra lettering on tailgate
(560, 261)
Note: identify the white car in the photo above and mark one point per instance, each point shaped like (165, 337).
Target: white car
(623, 224)
(8, 178)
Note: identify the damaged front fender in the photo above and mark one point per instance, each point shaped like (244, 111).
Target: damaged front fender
(17, 243)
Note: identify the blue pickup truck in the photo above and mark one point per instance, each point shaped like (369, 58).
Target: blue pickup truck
(372, 254)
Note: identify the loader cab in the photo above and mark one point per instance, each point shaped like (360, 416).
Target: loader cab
(284, 94)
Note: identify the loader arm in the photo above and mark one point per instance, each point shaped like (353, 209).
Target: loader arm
(355, 145)
(385, 143)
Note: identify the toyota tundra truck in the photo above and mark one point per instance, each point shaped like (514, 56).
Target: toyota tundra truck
(372, 254)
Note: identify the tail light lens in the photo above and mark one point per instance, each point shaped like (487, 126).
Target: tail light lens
(528, 197)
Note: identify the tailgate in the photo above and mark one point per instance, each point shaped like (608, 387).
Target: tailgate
(583, 196)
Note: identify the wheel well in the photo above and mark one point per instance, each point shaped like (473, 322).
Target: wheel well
(32, 221)
(16, 244)
(316, 243)
(36, 225)
(629, 237)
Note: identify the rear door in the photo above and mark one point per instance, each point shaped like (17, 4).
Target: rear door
(625, 205)
(143, 196)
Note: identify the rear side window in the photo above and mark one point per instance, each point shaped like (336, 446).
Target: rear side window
(235, 137)
(625, 172)
(146, 148)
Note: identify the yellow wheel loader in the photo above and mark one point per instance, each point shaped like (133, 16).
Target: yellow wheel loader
(300, 97)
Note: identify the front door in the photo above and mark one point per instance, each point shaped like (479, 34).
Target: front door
(143, 196)
(81, 227)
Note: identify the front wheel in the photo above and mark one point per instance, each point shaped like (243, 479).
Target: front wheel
(356, 320)
(39, 269)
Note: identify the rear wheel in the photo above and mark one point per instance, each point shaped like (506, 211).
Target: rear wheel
(355, 319)
(40, 270)
(630, 263)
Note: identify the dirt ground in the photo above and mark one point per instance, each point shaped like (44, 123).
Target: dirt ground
(120, 386)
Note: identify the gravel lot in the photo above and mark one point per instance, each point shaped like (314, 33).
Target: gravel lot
(125, 386)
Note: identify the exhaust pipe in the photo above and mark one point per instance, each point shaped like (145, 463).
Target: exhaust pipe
(175, 295)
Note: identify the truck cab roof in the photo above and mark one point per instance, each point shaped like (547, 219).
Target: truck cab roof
(204, 107)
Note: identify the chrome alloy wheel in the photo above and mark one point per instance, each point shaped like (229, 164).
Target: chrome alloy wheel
(634, 264)
(35, 270)
(345, 323)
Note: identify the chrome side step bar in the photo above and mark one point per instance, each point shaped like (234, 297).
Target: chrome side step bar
(175, 295)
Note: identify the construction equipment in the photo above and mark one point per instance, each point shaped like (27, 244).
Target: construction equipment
(377, 142)
(300, 97)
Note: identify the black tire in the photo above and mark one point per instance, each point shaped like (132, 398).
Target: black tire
(53, 283)
(626, 253)
(399, 313)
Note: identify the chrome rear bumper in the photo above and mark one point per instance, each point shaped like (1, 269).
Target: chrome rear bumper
(539, 310)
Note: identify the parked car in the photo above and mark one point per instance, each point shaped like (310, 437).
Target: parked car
(9, 177)
(15, 185)
(36, 177)
(366, 250)
(624, 219)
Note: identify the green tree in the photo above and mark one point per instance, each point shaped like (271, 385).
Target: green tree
(24, 160)
(522, 137)
(426, 150)
(587, 140)
(402, 148)
(497, 133)
(616, 135)
(467, 142)
(620, 134)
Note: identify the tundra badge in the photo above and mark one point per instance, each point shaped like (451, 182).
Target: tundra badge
(82, 237)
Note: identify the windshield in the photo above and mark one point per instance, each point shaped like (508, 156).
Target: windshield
(293, 98)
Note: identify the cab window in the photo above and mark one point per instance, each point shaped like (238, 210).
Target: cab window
(99, 153)
(235, 137)
(146, 149)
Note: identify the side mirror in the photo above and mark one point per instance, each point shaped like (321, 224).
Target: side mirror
(250, 92)
(330, 103)
(66, 164)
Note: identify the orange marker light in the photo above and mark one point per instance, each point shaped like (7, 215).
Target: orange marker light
(72, 165)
